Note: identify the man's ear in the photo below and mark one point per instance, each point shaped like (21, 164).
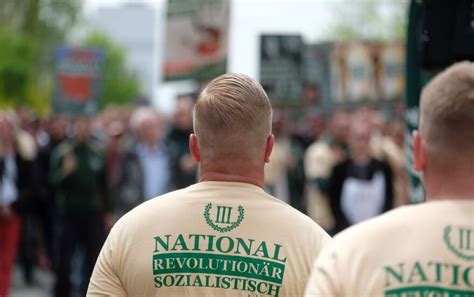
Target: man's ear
(269, 147)
(419, 152)
(194, 148)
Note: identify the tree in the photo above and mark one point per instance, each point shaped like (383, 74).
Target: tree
(30, 30)
(369, 20)
(120, 85)
(17, 54)
(18, 74)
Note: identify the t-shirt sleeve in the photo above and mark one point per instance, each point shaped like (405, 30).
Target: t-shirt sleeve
(318, 241)
(105, 281)
(325, 275)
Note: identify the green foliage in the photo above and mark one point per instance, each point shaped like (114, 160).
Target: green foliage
(18, 61)
(120, 85)
(42, 20)
(17, 54)
(376, 20)
(30, 30)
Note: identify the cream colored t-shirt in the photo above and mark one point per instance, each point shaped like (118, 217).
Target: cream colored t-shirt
(210, 239)
(425, 250)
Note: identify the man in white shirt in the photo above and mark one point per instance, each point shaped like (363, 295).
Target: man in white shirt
(426, 249)
(223, 236)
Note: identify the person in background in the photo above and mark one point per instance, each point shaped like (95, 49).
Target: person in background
(183, 168)
(31, 245)
(47, 212)
(319, 161)
(17, 189)
(398, 160)
(387, 147)
(146, 166)
(311, 129)
(116, 149)
(284, 174)
(361, 186)
(78, 173)
(424, 249)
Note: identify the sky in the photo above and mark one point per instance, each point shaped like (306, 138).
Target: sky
(249, 19)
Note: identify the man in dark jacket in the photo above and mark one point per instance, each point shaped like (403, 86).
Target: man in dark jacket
(47, 214)
(183, 167)
(78, 172)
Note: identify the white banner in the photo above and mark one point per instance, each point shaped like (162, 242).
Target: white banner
(196, 39)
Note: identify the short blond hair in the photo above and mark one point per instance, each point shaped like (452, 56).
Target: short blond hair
(232, 116)
(447, 113)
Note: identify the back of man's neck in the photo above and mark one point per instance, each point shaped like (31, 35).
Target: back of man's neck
(254, 177)
(450, 187)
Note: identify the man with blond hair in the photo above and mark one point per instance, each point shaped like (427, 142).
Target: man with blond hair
(426, 249)
(223, 236)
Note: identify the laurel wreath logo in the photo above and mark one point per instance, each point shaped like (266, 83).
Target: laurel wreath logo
(207, 217)
(447, 231)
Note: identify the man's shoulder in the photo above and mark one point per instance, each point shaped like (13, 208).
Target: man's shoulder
(175, 200)
(296, 220)
(294, 214)
(393, 222)
(162, 202)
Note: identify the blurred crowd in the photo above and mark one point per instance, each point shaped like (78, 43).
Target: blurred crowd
(65, 180)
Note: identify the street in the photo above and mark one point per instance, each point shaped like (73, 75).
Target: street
(42, 288)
